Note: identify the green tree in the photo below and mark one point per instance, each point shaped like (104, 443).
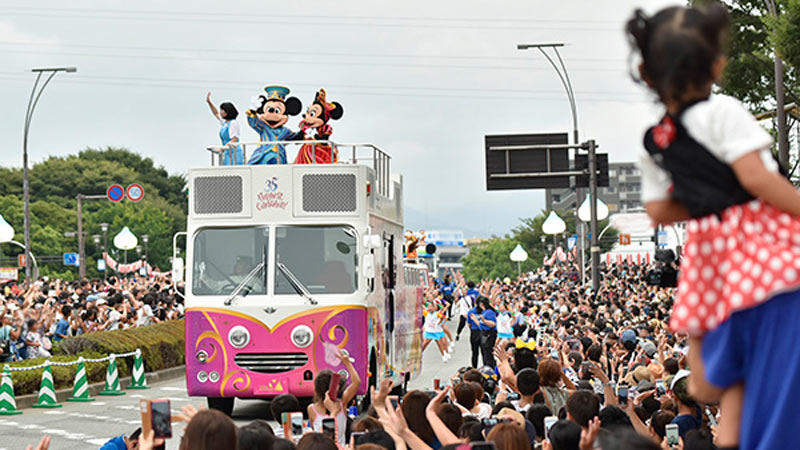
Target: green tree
(56, 181)
(491, 260)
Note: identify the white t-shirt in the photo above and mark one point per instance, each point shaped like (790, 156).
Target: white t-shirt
(144, 316)
(725, 128)
(114, 316)
(504, 321)
(464, 304)
(233, 128)
(433, 323)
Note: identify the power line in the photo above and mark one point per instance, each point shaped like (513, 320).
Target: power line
(346, 86)
(293, 52)
(304, 16)
(182, 18)
(311, 62)
(105, 82)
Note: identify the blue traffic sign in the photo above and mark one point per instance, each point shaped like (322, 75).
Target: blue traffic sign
(115, 193)
(71, 259)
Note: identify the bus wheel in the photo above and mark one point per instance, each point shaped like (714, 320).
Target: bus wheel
(222, 404)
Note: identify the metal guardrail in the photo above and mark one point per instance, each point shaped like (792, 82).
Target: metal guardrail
(360, 153)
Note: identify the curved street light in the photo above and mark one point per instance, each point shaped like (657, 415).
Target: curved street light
(32, 102)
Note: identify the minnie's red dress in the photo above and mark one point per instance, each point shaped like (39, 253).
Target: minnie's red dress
(740, 251)
(312, 153)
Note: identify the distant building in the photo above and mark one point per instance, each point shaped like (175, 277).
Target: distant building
(622, 195)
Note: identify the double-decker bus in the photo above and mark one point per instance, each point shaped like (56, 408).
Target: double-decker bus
(288, 264)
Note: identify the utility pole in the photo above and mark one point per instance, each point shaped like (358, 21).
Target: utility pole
(780, 100)
(594, 247)
(81, 242)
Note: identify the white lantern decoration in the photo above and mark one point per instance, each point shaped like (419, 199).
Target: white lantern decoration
(553, 224)
(518, 254)
(585, 211)
(6, 231)
(125, 240)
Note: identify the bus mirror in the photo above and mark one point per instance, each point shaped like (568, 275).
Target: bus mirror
(177, 269)
(368, 266)
(372, 241)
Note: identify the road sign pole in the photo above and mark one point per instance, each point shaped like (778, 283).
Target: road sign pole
(595, 248)
(81, 265)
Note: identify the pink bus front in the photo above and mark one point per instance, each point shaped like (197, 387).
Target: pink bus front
(288, 265)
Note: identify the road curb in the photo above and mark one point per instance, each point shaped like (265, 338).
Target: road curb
(26, 401)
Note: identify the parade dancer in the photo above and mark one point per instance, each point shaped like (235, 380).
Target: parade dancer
(432, 330)
(708, 162)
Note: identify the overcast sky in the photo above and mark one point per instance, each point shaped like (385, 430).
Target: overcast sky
(423, 80)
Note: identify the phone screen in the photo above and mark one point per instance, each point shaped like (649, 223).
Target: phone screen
(329, 428)
(549, 421)
(661, 389)
(672, 434)
(161, 418)
(622, 394)
(394, 399)
(297, 424)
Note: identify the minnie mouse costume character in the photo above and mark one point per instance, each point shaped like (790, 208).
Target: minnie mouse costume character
(314, 127)
(267, 117)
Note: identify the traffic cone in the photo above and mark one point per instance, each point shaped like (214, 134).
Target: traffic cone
(80, 391)
(47, 391)
(8, 406)
(137, 374)
(112, 379)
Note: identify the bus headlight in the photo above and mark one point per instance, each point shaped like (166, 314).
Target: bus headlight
(213, 377)
(202, 376)
(239, 336)
(202, 356)
(302, 336)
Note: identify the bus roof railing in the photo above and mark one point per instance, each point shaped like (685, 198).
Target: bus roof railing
(360, 153)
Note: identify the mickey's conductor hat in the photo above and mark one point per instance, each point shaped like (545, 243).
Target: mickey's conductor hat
(276, 92)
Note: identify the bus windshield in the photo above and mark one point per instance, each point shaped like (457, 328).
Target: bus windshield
(322, 258)
(223, 258)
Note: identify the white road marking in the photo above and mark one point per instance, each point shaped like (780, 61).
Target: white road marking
(30, 427)
(98, 442)
(55, 413)
(9, 423)
(171, 388)
(97, 403)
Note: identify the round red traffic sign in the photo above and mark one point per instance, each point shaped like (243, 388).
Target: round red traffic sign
(115, 193)
(135, 192)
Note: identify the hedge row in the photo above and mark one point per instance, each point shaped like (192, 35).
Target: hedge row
(161, 344)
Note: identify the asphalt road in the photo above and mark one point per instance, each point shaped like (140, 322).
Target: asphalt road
(83, 426)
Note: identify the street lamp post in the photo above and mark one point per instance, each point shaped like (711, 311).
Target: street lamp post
(563, 75)
(145, 238)
(32, 102)
(104, 227)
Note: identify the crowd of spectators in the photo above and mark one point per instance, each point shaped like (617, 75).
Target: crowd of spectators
(39, 314)
(582, 372)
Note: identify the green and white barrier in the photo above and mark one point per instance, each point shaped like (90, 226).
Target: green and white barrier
(80, 390)
(8, 405)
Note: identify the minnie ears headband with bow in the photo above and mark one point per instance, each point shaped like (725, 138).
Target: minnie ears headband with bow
(530, 345)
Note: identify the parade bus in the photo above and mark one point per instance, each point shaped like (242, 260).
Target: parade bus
(288, 264)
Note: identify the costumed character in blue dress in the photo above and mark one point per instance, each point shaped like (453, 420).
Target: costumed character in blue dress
(228, 132)
(267, 117)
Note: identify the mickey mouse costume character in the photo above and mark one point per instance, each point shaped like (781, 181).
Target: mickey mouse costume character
(267, 117)
(314, 127)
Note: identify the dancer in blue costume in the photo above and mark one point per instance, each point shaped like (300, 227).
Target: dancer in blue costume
(267, 117)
